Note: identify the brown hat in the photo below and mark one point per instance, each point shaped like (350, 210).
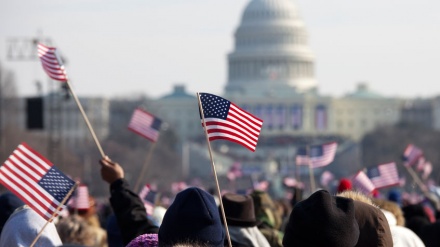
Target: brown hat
(322, 220)
(239, 210)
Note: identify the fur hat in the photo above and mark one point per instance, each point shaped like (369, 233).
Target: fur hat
(239, 210)
(373, 225)
(322, 220)
(192, 217)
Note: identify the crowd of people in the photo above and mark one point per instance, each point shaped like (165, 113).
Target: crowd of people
(199, 218)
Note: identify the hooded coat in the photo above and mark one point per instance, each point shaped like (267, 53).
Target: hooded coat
(23, 226)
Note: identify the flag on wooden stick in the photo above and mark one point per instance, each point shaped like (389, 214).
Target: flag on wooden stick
(384, 175)
(35, 180)
(51, 63)
(411, 155)
(316, 155)
(145, 124)
(80, 200)
(225, 120)
(362, 183)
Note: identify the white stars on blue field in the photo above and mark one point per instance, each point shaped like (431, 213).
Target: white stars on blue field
(214, 106)
(56, 183)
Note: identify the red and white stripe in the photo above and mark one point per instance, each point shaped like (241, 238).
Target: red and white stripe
(51, 63)
(141, 122)
(327, 157)
(389, 176)
(240, 127)
(362, 183)
(20, 174)
(81, 199)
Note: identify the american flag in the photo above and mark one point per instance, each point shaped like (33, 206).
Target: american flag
(224, 120)
(362, 183)
(235, 171)
(317, 155)
(81, 198)
(35, 180)
(326, 178)
(145, 124)
(384, 175)
(148, 197)
(411, 155)
(52, 63)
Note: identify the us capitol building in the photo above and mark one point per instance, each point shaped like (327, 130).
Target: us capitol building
(271, 73)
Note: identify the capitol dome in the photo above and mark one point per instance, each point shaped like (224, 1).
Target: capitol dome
(271, 56)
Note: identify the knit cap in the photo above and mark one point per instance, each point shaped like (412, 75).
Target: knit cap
(145, 240)
(192, 217)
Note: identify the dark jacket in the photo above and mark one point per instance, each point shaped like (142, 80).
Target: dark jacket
(129, 211)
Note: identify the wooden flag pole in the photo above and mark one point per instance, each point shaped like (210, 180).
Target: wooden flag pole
(144, 168)
(214, 170)
(85, 119)
(416, 178)
(56, 211)
(312, 175)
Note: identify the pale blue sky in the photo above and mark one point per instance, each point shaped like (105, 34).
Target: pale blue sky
(121, 48)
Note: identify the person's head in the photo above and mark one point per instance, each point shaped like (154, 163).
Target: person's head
(393, 208)
(193, 218)
(239, 210)
(374, 229)
(266, 209)
(322, 220)
(75, 230)
(23, 227)
(395, 196)
(8, 203)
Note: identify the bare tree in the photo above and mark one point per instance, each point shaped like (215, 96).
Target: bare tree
(8, 105)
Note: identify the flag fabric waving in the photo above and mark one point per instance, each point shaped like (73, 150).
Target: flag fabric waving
(81, 198)
(148, 197)
(35, 180)
(145, 124)
(225, 120)
(411, 155)
(52, 63)
(384, 175)
(362, 183)
(317, 155)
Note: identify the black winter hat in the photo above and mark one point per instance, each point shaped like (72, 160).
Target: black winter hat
(192, 217)
(322, 220)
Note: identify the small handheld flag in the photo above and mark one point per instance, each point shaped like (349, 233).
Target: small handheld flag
(384, 175)
(411, 155)
(55, 69)
(80, 200)
(145, 124)
(317, 155)
(362, 183)
(225, 120)
(35, 181)
(51, 63)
